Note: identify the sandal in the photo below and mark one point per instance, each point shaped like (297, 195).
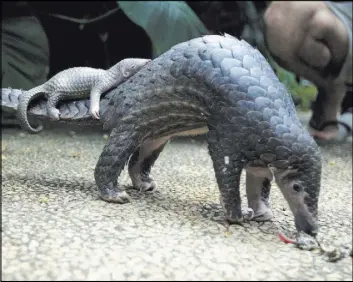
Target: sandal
(344, 124)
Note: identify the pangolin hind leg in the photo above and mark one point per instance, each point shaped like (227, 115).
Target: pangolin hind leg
(53, 100)
(141, 163)
(121, 144)
(258, 193)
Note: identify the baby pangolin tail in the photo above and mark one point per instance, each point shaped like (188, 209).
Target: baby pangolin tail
(24, 101)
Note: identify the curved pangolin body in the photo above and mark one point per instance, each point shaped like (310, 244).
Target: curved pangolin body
(222, 86)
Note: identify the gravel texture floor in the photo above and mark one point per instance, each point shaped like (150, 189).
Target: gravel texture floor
(55, 227)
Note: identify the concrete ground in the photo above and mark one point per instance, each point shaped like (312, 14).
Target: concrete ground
(55, 227)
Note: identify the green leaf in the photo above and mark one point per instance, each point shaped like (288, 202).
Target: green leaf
(303, 93)
(166, 22)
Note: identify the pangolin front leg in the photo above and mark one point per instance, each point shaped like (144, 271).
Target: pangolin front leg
(95, 96)
(141, 163)
(258, 193)
(228, 167)
(120, 146)
(114, 77)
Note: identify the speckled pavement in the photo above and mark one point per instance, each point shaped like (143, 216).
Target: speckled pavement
(55, 227)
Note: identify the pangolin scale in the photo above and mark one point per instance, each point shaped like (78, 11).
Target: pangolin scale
(217, 85)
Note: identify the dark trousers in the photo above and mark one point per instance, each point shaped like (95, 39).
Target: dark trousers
(25, 53)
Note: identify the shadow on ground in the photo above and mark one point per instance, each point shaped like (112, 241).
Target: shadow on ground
(55, 227)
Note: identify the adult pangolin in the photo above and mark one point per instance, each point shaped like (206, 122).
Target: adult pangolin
(215, 84)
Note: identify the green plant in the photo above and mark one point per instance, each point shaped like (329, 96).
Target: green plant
(303, 93)
(166, 22)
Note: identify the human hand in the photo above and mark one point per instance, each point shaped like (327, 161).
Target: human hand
(306, 38)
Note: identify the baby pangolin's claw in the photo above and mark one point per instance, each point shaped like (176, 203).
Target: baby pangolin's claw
(95, 113)
(54, 113)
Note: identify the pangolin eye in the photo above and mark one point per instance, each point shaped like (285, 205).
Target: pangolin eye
(296, 187)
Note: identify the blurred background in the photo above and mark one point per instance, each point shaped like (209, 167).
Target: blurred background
(41, 38)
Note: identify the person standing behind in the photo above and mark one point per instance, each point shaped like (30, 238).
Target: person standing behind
(313, 39)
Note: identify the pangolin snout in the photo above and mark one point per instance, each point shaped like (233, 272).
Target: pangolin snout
(306, 223)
